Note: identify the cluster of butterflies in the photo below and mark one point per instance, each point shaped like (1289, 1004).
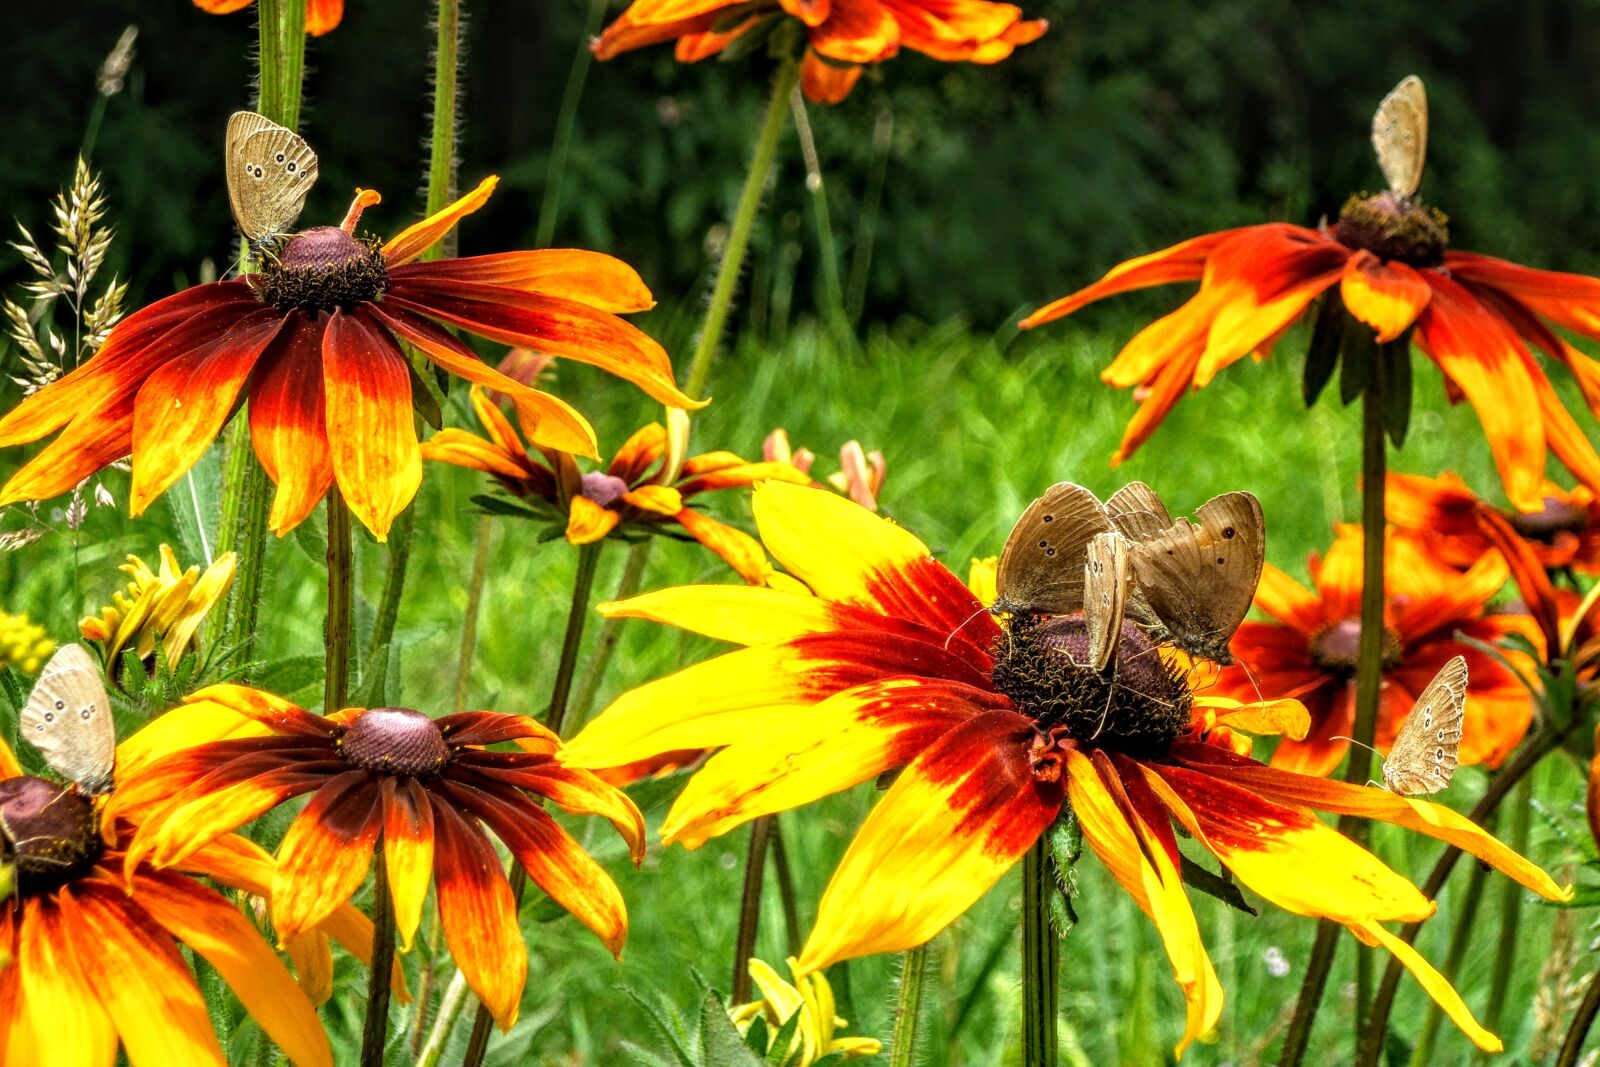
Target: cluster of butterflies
(270, 170)
(1189, 584)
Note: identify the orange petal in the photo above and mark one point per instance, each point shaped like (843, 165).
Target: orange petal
(856, 31)
(371, 427)
(478, 915)
(741, 551)
(462, 449)
(1436, 984)
(825, 82)
(407, 852)
(950, 30)
(958, 817)
(59, 1017)
(219, 932)
(1288, 601)
(693, 47)
(1182, 262)
(601, 281)
(288, 422)
(1388, 296)
(588, 522)
(419, 237)
(1165, 391)
(580, 791)
(95, 440)
(1487, 362)
(326, 852)
(323, 15)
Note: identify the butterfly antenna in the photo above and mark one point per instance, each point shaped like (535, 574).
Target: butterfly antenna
(1250, 674)
(1353, 741)
(958, 629)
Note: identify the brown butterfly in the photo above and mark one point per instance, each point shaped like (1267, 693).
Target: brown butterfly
(1400, 136)
(270, 170)
(1041, 568)
(1425, 751)
(1198, 580)
(1106, 583)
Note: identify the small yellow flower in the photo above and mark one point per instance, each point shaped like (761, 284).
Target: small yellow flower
(23, 643)
(981, 578)
(813, 1038)
(169, 604)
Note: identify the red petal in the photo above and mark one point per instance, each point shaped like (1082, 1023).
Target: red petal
(288, 424)
(478, 914)
(601, 281)
(371, 427)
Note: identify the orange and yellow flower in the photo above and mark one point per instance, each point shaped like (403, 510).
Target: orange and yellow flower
(313, 343)
(1308, 651)
(815, 1036)
(1479, 319)
(873, 660)
(842, 35)
(1443, 512)
(166, 605)
(648, 484)
(425, 788)
(89, 939)
(860, 474)
(321, 15)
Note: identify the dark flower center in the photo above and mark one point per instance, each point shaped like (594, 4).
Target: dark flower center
(1139, 705)
(1413, 233)
(395, 741)
(322, 269)
(50, 833)
(603, 489)
(1337, 647)
(1556, 517)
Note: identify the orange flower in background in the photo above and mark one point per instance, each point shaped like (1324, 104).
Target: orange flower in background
(1443, 512)
(1308, 652)
(860, 474)
(321, 15)
(313, 343)
(1479, 319)
(871, 659)
(842, 35)
(649, 483)
(427, 786)
(89, 957)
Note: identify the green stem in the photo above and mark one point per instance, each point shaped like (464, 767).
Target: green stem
(427, 977)
(1581, 1022)
(744, 945)
(786, 891)
(336, 658)
(1369, 683)
(1510, 908)
(571, 642)
(376, 665)
(442, 141)
(610, 631)
(1528, 756)
(867, 228)
(1040, 962)
(450, 1005)
(1460, 937)
(744, 217)
(566, 121)
(908, 1007)
(469, 620)
(832, 290)
(375, 1032)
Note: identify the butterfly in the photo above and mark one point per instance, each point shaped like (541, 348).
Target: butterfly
(1197, 581)
(68, 719)
(1041, 569)
(1400, 136)
(1425, 751)
(1106, 584)
(270, 170)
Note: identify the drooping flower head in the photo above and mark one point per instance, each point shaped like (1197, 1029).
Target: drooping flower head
(841, 35)
(815, 1034)
(166, 605)
(1432, 613)
(875, 661)
(89, 956)
(1386, 264)
(1443, 512)
(648, 485)
(321, 15)
(426, 788)
(313, 343)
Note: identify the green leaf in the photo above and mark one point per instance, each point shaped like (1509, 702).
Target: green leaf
(1359, 362)
(1322, 357)
(311, 537)
(1219, 886)
(1396, 357)
(290, 675)
(16, 692)
(667, 1023)
(779, 1046)
(721, 1044)
(426, 397)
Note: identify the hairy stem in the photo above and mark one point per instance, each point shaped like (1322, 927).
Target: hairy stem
(1040, 962)
(744, 945)
(1460, 938)
(566, 120)
(610, 630)
(832, 289)
(908, 1007)
(786, 891)
(375, 1032)
(450, 1005)
(442, 138)
(1582, 1020)
(337, 629)
(469, 619)
(744, 217)
(1369, 683)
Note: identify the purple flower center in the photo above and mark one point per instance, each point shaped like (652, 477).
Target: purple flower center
(321, 269)
(1337, 647)
(395, 741)
(1556, 517)
(603, 489)
(1410, 232)
(50, 833)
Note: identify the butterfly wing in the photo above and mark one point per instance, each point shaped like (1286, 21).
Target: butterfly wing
(1138, 513)
(1041, 567)
(1106, 580)
(1427, 748)
(68, 719)
(270, 170)
(1400, 136)
(1200, 579)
